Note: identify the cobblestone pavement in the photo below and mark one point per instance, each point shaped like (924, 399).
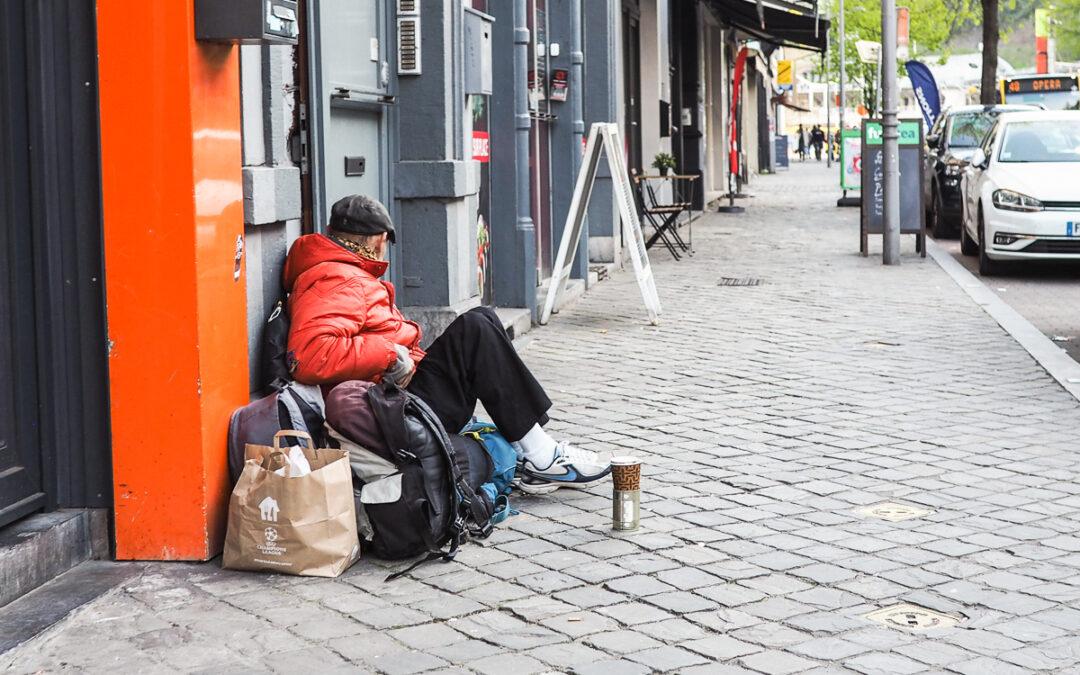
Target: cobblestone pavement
(1046, 294)
(768, 416)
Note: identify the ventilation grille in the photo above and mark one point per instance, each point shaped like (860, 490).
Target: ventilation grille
(745, 281)
(407, 7)
(408, 35)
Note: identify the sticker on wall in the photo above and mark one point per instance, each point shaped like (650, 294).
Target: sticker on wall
(238, 261)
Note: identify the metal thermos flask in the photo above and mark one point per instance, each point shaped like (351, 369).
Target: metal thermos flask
(626, 498)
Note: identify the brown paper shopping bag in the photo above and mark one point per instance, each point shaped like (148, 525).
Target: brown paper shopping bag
(302, 525)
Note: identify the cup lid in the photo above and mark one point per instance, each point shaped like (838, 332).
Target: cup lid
(625, 460)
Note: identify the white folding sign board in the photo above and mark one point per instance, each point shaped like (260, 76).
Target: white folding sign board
(608, 135)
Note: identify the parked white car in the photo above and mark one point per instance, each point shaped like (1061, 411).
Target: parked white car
(1021, 190)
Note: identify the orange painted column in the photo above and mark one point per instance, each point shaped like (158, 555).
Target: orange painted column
(172, 202)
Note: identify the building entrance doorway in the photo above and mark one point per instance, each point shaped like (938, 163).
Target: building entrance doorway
(540, 136)
(54, 414)
(631, 39)
(349, 72)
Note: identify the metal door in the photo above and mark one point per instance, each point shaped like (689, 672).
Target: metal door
(53, 375)
(20, 457)
(351, 88)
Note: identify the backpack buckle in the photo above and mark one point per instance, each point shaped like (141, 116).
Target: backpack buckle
(484, 531)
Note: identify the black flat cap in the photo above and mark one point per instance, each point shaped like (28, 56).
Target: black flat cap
(359, 214)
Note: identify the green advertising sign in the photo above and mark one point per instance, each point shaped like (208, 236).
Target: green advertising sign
(850, 159)
(909, 133)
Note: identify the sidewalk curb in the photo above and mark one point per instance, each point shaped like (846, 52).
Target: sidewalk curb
(1052, 358)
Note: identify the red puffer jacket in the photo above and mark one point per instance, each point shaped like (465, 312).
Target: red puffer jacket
(343, 322)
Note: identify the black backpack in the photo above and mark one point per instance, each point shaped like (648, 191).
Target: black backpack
(275, 362)
(439, 503)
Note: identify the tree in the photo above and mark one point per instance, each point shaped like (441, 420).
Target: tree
(990, 34)
(862, 18)
(1066, 28)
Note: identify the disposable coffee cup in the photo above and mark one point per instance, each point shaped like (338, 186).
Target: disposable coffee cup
(626, 496)
(626, 473)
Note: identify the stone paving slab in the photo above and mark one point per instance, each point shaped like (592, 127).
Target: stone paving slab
(767, 416)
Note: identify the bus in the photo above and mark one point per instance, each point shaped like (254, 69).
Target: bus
(1053, 92)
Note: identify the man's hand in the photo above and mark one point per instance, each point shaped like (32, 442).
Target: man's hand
(401, 372)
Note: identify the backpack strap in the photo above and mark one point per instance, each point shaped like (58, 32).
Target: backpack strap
(474, 504)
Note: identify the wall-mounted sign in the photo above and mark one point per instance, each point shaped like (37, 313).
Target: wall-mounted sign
(785, 76)
(481, 146)
(560, 84)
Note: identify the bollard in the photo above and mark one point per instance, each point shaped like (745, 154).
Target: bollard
(626, 497)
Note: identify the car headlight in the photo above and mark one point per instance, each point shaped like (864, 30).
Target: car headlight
(1014, 201)
(953, 169)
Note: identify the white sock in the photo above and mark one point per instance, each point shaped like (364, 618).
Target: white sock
(537, 447)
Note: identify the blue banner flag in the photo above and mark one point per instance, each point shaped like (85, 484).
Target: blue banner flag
(926, 91)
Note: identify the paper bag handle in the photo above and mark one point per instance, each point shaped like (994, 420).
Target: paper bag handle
(268, 461)
(287, 433)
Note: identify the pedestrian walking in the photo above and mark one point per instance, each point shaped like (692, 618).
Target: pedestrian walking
(802, 143)
(817, 139)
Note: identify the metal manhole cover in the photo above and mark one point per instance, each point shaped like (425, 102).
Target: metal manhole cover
(744, 281)
(894, 512)
(912, 617)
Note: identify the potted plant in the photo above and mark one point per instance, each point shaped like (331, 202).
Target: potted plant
(663, 162)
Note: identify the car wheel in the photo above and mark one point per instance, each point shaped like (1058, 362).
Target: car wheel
(987, 267)
(967, 246)
(938, 227)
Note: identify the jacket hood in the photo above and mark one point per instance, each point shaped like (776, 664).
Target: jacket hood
(314, 249)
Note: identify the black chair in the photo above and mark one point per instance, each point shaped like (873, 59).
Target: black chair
(664, 216)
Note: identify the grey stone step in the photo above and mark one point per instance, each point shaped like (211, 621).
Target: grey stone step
(45, 606)
(44, 546)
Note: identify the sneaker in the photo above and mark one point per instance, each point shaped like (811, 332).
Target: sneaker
(572, 467)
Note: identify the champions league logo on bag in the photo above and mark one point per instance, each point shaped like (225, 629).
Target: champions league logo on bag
(270, 545)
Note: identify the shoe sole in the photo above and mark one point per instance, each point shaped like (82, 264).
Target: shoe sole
(548, 488)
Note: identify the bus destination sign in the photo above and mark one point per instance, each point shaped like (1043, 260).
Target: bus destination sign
(1041, 85)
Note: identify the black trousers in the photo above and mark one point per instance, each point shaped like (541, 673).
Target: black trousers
(474, 360)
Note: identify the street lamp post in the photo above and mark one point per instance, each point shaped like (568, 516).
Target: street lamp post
(843, 70)
(890, 252)
(828, 107)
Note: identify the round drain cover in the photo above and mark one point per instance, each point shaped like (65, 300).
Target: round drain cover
(912, 617)
(894, 512)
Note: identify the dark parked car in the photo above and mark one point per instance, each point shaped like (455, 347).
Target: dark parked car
(951, 142)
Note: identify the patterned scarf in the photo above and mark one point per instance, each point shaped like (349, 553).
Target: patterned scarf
(362, 250)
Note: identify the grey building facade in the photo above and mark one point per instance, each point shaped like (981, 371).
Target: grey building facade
(464, 116)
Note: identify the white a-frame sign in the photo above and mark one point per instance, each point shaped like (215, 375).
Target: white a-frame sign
(608, 134)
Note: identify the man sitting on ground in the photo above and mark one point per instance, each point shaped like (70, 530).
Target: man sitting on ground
(345, 326)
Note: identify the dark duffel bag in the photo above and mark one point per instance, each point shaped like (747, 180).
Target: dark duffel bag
(294, 407)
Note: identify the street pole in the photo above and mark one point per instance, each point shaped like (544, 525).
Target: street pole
(526, 232)
(890, 252)
(843, 100)
(843, 68)
(577, 112)
(828, 108)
